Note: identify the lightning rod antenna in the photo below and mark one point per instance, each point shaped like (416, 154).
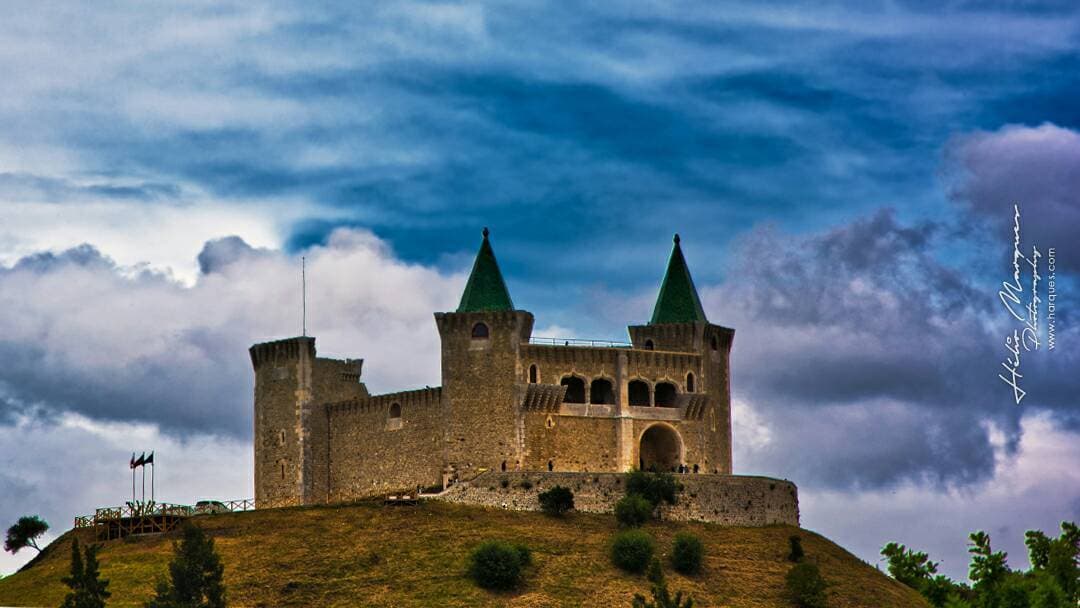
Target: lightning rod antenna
(303, 297)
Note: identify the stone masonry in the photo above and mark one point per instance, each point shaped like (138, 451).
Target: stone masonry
(511, 403)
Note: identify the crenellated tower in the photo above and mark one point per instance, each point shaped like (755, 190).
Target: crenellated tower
(292, 387)
(481, 343)
(679, 324)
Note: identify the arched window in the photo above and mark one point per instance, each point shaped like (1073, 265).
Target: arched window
(575, 389)
(534, 374)
(665, 394)
(714, 343)
(638, 392)
(395, 410)
(649, 345)
(690, 382)
(601, 392)
(480, 331)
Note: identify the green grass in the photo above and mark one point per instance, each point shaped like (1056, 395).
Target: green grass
(369, 555)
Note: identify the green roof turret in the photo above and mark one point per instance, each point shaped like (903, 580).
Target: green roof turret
(486, 290)
(678, 301)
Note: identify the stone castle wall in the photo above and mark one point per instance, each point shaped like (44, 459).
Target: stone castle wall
(732, 500)
(373, 452)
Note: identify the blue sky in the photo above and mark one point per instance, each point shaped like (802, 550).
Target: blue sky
(841, 174)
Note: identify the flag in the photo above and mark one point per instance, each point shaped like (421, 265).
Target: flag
(149, 459)
(132, 462)
(141, 461)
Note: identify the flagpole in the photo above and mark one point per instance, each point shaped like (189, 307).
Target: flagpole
(144, 484)
(151, 482)
(303, 291)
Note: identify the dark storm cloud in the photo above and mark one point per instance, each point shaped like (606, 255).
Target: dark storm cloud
(220, 253)
(1037, 168)
(859, 346)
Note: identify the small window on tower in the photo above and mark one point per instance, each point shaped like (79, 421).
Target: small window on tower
(480, 331)
(690, 382)
(395, 410)
(714, 343)
(534, 374)
(649, 345)
(283, 469)
(281, 437)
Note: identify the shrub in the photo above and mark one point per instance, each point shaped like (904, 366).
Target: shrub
(632, 551)
(654, 487)
(633, 510)
(505, 483)
(496, 564)
(195, 574)
(686, 553)
(796, 553)
(661, 597)
(557, 500)
(805, 586)
(525, 484)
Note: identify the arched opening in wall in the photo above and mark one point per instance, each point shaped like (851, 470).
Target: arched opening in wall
(504, 466)
(649, 345)
(665, 394)
(480, 331)
(638, 392)
(534, 374)
(601, 392)
(690, 382)
(395, 410)
(660, 449)
(575, 389)
(714, 343)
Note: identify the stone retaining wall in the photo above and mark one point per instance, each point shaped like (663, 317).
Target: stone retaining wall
(731, 500)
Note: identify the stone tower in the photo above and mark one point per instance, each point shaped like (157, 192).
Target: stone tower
(481, 344)
(679, 324)
(291, 387)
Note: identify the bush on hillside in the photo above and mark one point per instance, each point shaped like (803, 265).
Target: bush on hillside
(557, 501)
(496, 564)
(633, 510)
(687, 553)
(632, 551)
(805, 586)
(653, 487)
(796, 554)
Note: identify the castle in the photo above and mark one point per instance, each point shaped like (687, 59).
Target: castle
(508, 402)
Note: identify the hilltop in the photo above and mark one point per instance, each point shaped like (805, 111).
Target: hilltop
(366, 554)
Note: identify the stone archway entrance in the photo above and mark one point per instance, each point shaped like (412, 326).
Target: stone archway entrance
(660, 449)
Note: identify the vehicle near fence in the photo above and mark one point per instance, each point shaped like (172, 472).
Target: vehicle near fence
(211, 507)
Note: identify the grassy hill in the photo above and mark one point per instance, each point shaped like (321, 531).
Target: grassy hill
(369, 555)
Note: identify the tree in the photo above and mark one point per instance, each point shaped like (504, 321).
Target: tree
(908, 566)
(656, 488)
(988, 568)
(495, 564)
(88, 589)
(661, 597)
(25, 533)
(556, 501)
(805, 586)
(195, 574)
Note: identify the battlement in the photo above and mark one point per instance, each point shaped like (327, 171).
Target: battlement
(282, 350)
(423, 397)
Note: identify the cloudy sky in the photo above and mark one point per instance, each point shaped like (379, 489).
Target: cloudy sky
(843, 177)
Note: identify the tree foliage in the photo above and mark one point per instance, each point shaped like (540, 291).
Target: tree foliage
(496, 564)
(1052, 582)
(195, 574)
(88, 589)
(632, 511)
(661, 597)
(556, 501)
(805, 586)
(25, 533)
(656, 488)
(632, 551)
(687, 553)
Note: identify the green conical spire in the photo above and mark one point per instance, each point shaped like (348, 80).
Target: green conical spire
(485, 290)
(678, 301)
